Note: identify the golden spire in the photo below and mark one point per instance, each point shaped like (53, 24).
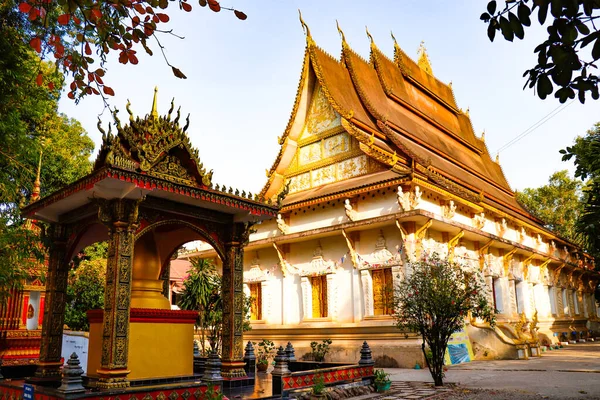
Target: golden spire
(154, 112)
(35, 194)
(340, 32)
(424, 59)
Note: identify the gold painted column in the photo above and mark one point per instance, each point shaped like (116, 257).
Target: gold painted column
(49, 369)
(121, 218)
(233, 305)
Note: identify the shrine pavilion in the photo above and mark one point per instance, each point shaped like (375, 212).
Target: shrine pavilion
(380, 167)
(148, 193)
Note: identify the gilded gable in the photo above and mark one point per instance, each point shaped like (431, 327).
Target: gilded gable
(321, 116)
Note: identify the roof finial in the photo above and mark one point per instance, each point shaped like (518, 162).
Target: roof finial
(154, 112)
(35, 194)
(304, 26)
(424, 59)
(482, 136)
(369, 35)
(393, 37)
(340, 31)
(467, 112)
(497, 158)
(127, 107)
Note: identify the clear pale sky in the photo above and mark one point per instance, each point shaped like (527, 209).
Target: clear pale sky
(243, 75)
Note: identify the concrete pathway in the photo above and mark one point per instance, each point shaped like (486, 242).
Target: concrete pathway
(572, 372)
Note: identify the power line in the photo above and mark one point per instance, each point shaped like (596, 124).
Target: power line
(536, 125)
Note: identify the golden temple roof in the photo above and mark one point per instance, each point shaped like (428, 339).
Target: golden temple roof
(399, 109)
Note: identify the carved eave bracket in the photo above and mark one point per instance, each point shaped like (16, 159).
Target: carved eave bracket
(452, 243)
(286, 267)
(350, 244)
(482, 253)
(506, 261)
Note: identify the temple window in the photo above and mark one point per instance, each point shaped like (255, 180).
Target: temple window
(319, 296)
(383, 291)
(255, 301)
(575, 303)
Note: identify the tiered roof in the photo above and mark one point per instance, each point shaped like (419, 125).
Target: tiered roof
(403, 115)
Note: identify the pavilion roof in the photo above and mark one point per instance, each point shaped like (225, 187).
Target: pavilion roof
(150, 156)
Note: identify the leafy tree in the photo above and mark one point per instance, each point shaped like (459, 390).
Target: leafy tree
(80, 34)
(30, 124)
(434, 300)
(559, 203)
(85, 292)
(585, 156)
(202, 293)
(568, 58)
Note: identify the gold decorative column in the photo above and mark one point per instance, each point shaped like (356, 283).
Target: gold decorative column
(233, 305)
(49, 369)
(120, 216)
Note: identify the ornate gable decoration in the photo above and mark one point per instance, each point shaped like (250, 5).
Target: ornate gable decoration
(381, 257)
(156, 146)
(256, 273)
(318, 265)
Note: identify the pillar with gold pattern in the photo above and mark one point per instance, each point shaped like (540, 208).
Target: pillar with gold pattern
(49, 369)
(120, 216)
(233, 298)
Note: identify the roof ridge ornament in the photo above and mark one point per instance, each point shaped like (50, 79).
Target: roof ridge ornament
(154, 111)
(304, 26)
(396, 47)
(340, 32)
(369, 35)
(424, 62)
(128, 108)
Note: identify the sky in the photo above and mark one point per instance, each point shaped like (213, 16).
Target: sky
(242, 78)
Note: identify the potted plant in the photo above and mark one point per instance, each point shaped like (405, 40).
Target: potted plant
(318, 388)
(320, 350)
(382, 380)
(264, 352)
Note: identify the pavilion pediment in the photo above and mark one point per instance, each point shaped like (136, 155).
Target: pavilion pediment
(154, 145)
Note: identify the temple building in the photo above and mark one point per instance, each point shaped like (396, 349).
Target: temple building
(22, 315)
(380, 166)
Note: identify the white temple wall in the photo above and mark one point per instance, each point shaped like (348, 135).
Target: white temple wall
(462, 218)
(265, 230)
(377, 203)
(346, 294)
(291, 300)
(306, 219)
